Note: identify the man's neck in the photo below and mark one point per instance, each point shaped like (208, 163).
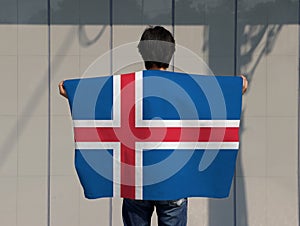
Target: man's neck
(157, 68)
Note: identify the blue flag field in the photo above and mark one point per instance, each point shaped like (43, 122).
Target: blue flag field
(155, 135)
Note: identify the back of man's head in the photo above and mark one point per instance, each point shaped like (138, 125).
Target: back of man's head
(157, 47)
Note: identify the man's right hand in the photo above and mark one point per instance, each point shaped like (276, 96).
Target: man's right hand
(62, 90)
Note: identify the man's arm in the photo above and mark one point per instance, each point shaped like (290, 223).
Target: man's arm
(62, 90)
(245, 83)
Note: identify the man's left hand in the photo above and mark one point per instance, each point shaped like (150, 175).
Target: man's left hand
(245, 83)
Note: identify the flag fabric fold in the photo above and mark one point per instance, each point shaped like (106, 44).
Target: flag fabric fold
(155, 135)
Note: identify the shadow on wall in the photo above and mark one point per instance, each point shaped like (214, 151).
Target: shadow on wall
(258, 26)
(84, 40)
(139, 12)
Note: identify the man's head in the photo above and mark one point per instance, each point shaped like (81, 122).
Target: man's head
(157, 47)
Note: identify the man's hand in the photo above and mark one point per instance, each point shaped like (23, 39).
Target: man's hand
(245, 83)
(62, 90)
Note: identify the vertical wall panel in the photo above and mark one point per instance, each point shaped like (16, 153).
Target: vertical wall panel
(65, 195)
(127, 29)
(32, 191)
(64, 53)
(282, 146)
(252, 161)
(157, 12)
(8, 170)
(9, 149)
(8, 12)
(64, 40)
(126, 33)
(254, 195)
(252, 40)
(32, 46)
(79, 35)
(9, 39)
(282, 75)
(190, 33)
(126, 57)
(32, 105)
(94, 37)
(94, 56)
(8, 65)
(8, 112)
(62, 67)
(219, 17)
(255, 66)
(94, 212)
(32, 85)
(8, 195)
(220, 21)
(32, 146)
(62, 154)
(281, 195)
(8, 120)
(268, 157)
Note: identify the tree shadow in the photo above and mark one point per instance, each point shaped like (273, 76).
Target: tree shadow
(19, 127)
(255, 39)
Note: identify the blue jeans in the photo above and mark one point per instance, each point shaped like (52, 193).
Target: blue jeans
(169, 213)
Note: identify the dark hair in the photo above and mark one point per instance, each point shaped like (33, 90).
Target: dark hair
(157, 47)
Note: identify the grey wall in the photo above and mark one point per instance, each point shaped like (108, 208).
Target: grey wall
(44, 42)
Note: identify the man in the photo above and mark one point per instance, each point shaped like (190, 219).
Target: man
(157, 47)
